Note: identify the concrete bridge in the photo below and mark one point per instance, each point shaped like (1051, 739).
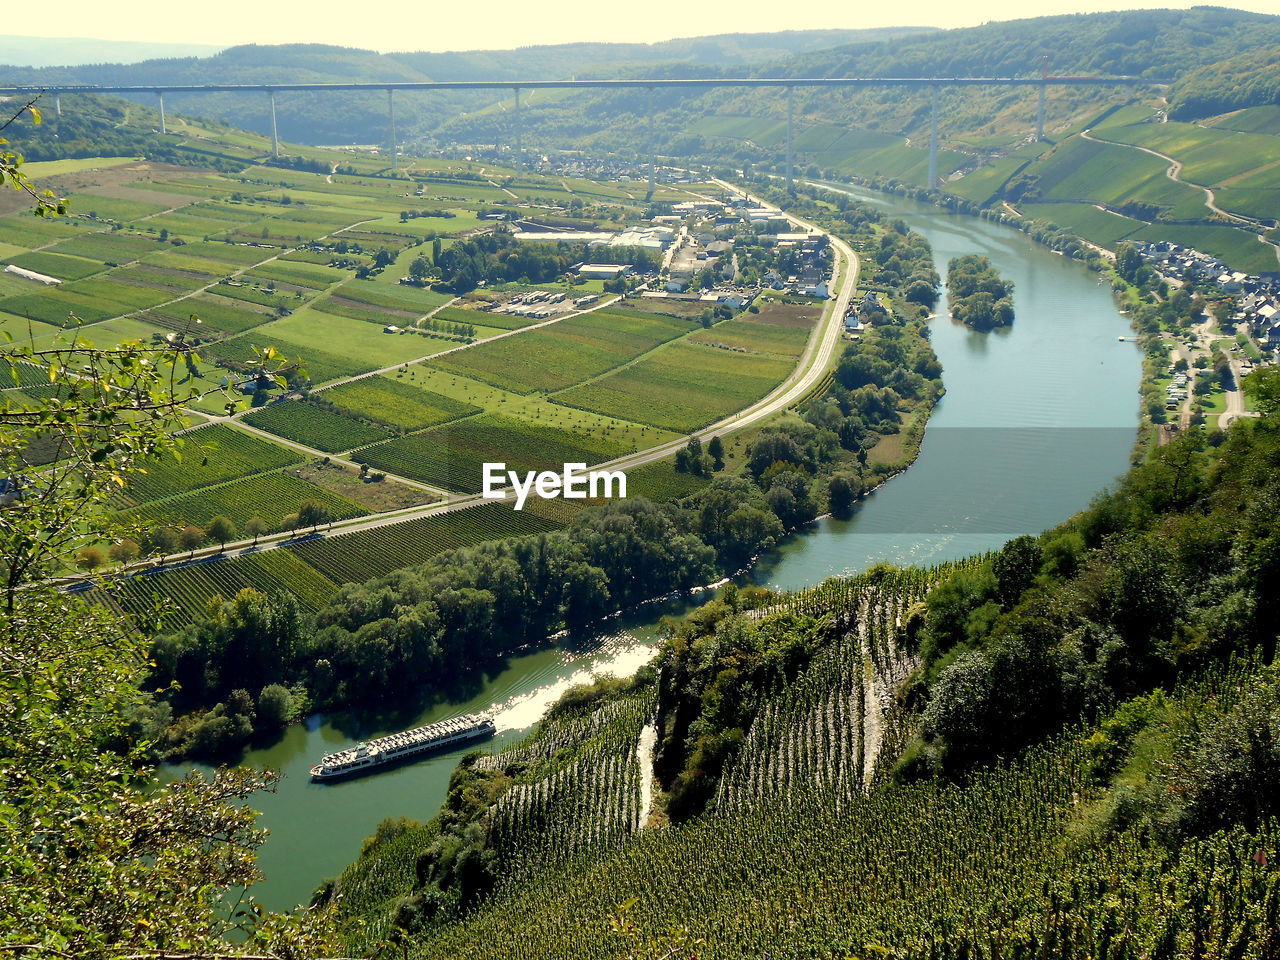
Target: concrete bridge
(788, 84)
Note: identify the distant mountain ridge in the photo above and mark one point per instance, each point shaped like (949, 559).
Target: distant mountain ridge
(65, 51)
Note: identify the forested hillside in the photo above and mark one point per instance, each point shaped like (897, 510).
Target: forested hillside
(1068, 746)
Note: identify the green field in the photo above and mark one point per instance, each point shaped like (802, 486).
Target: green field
(565, 353)
(314, 426)
(452, 456)
(208, 455)
(356, 557)
(1086, 220)
(681, 387)
(269, 496)
(396, 404)
(58, 265)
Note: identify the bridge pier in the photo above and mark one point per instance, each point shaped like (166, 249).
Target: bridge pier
(163, 127)
(791, 187)
(653, 173)
(519, 138)
(933, 138)
(57, 104)
(1040, 115)
(391, 118)
(275, 133)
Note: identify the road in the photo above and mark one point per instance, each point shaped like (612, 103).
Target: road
(818, 356)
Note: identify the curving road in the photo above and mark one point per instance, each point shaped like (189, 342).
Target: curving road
(818, 356)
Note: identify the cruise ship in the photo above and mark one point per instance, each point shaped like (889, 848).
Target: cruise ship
(400, 747)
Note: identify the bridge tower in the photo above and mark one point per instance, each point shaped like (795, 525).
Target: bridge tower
(163, 127)
(791, 187)
(1044, 83)
(519, 132)
(653, 173)
(57, 104)
(275, 133)
(391, 119)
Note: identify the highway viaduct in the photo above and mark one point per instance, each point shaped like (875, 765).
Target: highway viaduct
(789, 84)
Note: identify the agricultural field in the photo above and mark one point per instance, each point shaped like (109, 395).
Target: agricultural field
(566, 352)
(268, 496)
(682, 387)
(382, 400)
(208, 455)
(313, 426)
(452, 456)
(185, 591)
(765, 333)
(356, 557)
(58, 265)
(1086, 220)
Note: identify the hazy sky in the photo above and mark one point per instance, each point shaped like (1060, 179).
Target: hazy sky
(398, 25)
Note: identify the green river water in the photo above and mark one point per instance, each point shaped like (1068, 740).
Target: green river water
(1035, 421)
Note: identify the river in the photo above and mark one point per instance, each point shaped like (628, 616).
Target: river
(1037, 418)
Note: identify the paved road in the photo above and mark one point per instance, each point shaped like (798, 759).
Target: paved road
(818, 356)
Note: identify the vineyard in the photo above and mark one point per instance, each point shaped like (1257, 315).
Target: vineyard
(681, 387)
(268, 496)
(314, 426)
(184, 592)
(570, 787)
(396, 404)
(938, 870)
(454, 456)
(208, 455)
(356, 557)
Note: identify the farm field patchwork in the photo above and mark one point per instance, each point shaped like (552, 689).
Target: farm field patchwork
(681, 387)
(452, 456)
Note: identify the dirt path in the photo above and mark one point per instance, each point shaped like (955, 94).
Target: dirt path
(644, 759)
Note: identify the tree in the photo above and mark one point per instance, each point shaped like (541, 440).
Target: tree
(312, 514)
(1263, 388)
(255, 527)
(275, 707)
(163, 540)
(90, 558)
(716, 449)
(436, 246)
(419, 268)
(221, 529)
(191, 537)
(126, 551)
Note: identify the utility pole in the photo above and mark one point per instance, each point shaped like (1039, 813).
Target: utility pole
(791, 187)
(275, 133)
(933, 138)
(163, 127)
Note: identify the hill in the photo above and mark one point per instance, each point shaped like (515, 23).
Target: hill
(1056, 747)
